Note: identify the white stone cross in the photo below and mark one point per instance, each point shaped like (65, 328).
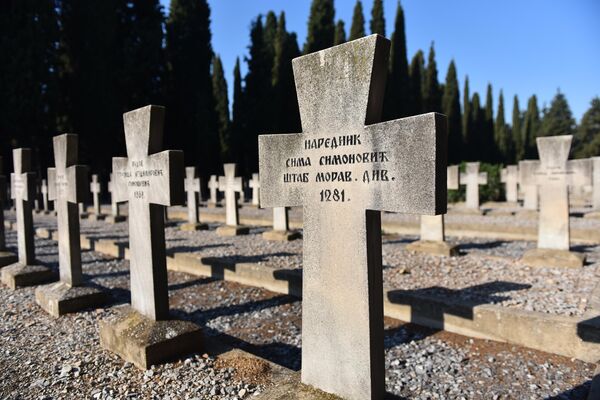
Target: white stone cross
(527, 170)
(45, 195)
(472, 178)
(344, 168)
(192, 187)
(510, 176)
(213, 186)
(255, 186)
(96, 189)
(149, 180)
(67, 188)
(114, 206)
(231, 186)
(22, 183)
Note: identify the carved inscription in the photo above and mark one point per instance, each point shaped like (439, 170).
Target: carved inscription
(139, 178)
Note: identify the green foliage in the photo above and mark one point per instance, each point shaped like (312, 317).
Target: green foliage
(502, 136)
(377, 18)
(357, 29)
(587, 137)
(415, 84)
(517, 131)
(451, 108)
(531, 127)
(219, 86)
(321, 28)
(237, 115)
(558, 119)
(478, 149)
(340, 33)
(397, 98)
(467, 122)
(493, 191)
(432, 95)
(490, 151)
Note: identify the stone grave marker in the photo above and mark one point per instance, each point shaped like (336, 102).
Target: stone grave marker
(68, 187)
(510, 178)
(83, 214)
(37, 203)
(6, 257)
(96, 189)
(344, 168)
(26, 271)
(115, 210)
(472, 178)
(192, 188)
(595, 212)
(432, 230)
(149, 179)
(527, 170)
(213, 186)
(281, 227)
(232, 187)
(554, 175)
(254, 184)
(45, 201)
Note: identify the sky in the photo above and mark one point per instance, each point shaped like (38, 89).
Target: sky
(523, 47)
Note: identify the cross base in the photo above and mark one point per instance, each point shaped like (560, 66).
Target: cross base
(193, 226)
(97, 217)
(228, 230)
(21, 275)
(7, 258)
(145, 342)
(59, 298)
(501, 212)
(553, 258)
(281, 236)
(113, 219)
(433, 247)
(290, 388)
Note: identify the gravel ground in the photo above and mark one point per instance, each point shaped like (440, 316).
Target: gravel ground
(420, 363)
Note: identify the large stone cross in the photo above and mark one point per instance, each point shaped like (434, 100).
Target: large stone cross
(192, 187)
(510, 177)
(255, 186)
(67, 187)
(472, 178)
(149, 180)
(231, 185)
(96, 189)
(22, 183)
(213, 186)
(344, 168)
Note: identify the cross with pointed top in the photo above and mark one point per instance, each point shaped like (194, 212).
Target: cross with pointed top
(344, 168)
(231, 185)
(149, 179)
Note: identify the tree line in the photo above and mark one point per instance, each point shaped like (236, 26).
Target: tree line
(76, 66)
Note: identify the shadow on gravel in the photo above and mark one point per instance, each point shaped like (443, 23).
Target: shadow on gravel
(579, 392)
(194, 282)
(589, 331)
(482, 246)
(192, 249)
(113, 274)
(583, 248)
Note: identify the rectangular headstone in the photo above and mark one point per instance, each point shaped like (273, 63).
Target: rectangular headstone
(344, 168)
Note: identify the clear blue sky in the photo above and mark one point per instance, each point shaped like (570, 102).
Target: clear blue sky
(521, 46)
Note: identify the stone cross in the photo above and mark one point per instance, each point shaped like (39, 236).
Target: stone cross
(67, 187)
(255, 186)
(596, 183)
(192, 187)
(23, 193)
(510, 177)
(45, 195)
(231, 186)
(96, 189)
(114, 206)
(149, 180)
(213, 186)
(472, 178)
(527, 170)
(344, 168)
(3, 192)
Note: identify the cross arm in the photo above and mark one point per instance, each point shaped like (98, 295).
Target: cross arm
(52, 184)
(579, 172)
(78, 175)
(119, 183)
(170, 183)
(23, 186)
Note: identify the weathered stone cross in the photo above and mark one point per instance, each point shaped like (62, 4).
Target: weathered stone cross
(213, 186)
(255, 186)
(149, 181)
(67, 187)
(510, 177)
(343, 169)
(45, 196)
(23, 192)
(6, 257)
(473, 178)
(192, 187)
(231, 186)
(96, 189)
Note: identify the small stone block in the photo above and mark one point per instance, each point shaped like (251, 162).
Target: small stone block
(553, 258)
(145, 342)
(114, 219)
(7, 258)
(433, 247)
(193, 227)
(228, 230)
(281, 236)
(59, 298)
(19, 275)
(290, 388)
(97, 217)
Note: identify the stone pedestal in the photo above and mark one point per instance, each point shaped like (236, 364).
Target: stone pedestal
(553, 258)
(228, 230)
(59, 298)
(20, 275)
(97, 217)
(197, 226)
(281, 236)
(433, 247)
(113, 219)
(7, 258)
(145, 342)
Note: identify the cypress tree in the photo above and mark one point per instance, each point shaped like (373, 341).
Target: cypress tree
(558, 119)
(531, 127)
(397, 100)
(321, 28)
(219, 87)
(588, 132)
(357, 29)
(237, 116)
(501, 135)
(432, 96)
(490, 151)
(478, 123)
(415, 84)
(451, 108)
(377, 18)
(517, 131)
(340, 33)
(467, 121)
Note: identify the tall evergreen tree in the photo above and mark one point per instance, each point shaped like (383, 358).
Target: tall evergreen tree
(377, 18)
(531, 128)
(219, 87)
(321, 26)
(490, 152)
(517, 131)
(415, 84)
(588, 132)
(451, 108)
(340, 33)
(478, 142)
(357, 29)
(237, 117)
(558, 119)
(502, 136)
(467, 121)
(397, 100)
(432, 96)
(191, 118)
